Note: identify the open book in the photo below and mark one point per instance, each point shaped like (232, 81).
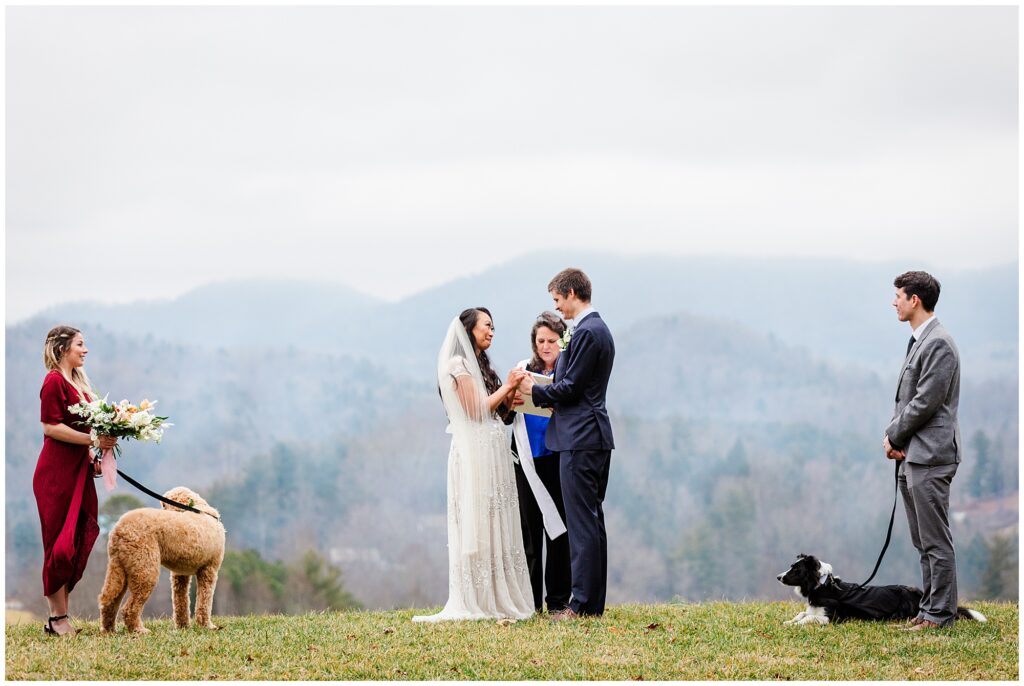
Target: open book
(528, 407)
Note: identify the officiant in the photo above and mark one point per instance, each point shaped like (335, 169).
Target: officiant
(537, 480)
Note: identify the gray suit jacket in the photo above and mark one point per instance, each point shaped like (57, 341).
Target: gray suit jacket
(925, 424)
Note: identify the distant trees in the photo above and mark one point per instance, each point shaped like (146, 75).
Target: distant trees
(984, 480)
(971, 562)
(248, 584)
(999, 577)
(315, 584)
(993, 472)
(719, 553)
(987, 568)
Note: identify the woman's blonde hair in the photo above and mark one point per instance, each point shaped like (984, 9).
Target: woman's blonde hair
(57, 343)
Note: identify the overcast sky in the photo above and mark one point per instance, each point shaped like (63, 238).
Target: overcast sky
(151, 150)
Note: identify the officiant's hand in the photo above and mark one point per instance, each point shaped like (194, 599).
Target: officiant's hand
(517, 399)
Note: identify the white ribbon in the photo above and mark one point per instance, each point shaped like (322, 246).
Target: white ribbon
(553, 524)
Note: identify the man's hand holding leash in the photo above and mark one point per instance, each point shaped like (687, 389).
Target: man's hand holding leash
(891, 452)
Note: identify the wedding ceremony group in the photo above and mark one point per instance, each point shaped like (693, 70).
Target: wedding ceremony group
(527, 476)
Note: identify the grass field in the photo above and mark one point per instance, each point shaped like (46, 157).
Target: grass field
(650, 642)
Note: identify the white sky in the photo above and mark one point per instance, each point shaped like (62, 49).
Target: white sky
(151, 150)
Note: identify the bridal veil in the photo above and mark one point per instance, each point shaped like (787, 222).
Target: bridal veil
(487, 573)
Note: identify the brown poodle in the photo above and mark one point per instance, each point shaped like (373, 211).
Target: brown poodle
(185, 542)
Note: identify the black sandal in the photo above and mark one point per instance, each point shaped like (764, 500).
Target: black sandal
(48, 627)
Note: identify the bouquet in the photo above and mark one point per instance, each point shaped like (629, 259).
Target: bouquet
(120, 420)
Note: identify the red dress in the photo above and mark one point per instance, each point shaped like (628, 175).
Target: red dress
(64, 490)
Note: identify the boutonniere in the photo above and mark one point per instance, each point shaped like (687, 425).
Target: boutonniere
(563, 342)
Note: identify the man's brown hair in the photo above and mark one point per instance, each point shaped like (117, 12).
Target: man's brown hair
(571, 279)
(923, 285)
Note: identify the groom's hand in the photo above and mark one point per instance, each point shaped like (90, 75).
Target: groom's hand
(526, 385)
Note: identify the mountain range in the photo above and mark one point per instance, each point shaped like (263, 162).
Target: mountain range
(840, 310)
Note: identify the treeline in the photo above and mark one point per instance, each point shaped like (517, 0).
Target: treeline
(690, 515)
(991, 474)
(248, 584)
(988, 567)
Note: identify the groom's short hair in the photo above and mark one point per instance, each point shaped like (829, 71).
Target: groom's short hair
(571, 279)
(923, 285)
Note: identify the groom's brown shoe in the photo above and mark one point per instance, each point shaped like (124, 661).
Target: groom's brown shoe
(924, 625)
(563, 615)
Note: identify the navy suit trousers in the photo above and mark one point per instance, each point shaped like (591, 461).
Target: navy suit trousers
(584, 483)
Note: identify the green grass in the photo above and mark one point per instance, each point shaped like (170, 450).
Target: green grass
(666, 642)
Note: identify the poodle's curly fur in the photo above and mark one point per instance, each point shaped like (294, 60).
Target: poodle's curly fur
(185, 542)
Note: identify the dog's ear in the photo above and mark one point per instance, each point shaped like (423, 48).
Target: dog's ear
(808, 565)
(824, 572)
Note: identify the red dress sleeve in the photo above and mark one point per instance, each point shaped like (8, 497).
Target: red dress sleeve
(53, 400)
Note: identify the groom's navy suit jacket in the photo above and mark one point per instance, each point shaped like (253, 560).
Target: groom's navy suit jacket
(577, 393)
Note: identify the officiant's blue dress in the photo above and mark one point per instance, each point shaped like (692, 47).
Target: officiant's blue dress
(554, 572)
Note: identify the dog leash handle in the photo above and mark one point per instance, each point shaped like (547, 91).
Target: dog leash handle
(159, 497)
(892, 520)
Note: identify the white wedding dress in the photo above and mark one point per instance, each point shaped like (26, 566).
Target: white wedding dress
(487, 573)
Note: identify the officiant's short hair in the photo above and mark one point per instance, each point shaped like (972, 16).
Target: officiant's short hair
(571, 279)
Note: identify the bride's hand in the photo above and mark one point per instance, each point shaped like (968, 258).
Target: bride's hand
(514, 377)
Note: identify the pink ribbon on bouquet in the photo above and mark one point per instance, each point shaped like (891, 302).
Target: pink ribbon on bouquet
(108, 468)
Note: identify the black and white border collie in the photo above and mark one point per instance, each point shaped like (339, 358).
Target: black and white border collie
(830, 599)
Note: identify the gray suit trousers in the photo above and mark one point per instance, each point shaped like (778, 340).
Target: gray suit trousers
(925, 490)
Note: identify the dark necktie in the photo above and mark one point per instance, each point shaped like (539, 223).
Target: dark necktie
(910, 344)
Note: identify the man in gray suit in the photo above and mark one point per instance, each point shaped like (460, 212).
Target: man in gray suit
(925, 435)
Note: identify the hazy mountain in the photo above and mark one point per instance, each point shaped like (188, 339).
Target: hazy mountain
(839, 309)
(226, 406)
(257, 313)
(705, 369)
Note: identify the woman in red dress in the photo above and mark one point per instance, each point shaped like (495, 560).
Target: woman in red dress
(64, 490)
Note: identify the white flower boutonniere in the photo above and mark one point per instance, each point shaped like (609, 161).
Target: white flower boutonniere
(563, 342)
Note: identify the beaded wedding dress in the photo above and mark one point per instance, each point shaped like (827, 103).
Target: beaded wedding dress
(487, 573)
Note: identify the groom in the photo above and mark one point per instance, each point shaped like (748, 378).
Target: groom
(581, 432)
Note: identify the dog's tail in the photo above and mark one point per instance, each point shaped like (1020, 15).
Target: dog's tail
(968, 613)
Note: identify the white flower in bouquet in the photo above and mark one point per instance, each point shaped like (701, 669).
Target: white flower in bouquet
(122, 420)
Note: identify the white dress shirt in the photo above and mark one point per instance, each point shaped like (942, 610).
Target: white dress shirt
(579, 318)
(920, 330)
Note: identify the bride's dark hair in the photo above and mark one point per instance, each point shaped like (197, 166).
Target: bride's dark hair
(469, 319)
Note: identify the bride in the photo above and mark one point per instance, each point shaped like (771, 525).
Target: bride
(487, 573)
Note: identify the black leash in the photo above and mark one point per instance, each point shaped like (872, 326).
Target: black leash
(892, 520)
(162, 499)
